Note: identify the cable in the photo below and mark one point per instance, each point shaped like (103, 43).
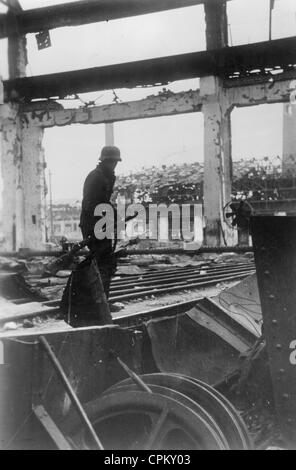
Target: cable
(252, 321)
(243, 306)
(240, 297)
(33, 343)
(18, 430)
(254, 326)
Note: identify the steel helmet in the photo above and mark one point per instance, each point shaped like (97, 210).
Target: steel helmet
(110, 152)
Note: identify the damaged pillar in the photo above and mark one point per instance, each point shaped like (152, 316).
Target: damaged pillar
(12, 226)
(22, 162)
(24, 187)
(217, 154)
(217, 133)
(34, 187)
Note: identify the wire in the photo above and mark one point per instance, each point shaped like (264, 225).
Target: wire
(240, 297)
(116, 99)
(86, 103)
(243, 306)
(30, 343)
(227, 306)
(245, 316)
(18, 430)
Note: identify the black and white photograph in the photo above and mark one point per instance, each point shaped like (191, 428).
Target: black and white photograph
(147, 227)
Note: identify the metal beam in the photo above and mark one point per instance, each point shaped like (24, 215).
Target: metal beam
(216, 24)
(83, 12)
(221, 62)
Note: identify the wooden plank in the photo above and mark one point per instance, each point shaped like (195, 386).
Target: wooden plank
(51, 428)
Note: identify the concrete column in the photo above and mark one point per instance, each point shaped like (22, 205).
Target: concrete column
(289, 140)
(34, 187)
(9, 156)
(217, 154)
(13, 200)
(24, 187)
(217, 129)
(109, 133)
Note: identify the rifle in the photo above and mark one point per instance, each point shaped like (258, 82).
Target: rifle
(63, 261)
(66, 259)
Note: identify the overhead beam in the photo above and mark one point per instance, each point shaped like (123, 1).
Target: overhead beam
(153, 106)
(84, 12)
(165, 104)
(222, 63)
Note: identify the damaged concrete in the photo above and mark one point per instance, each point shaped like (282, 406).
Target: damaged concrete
(23, 184)
(152, 106)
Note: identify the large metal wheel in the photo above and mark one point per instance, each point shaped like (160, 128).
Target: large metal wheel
(186, 401)
(232, 411)
(132, 420)
(216, 405)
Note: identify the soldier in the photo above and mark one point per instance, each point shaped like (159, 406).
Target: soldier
(98, 188)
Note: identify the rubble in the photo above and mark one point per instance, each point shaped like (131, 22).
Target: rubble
(13, 265)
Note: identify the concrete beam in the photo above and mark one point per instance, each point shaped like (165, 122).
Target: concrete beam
(154, 106)
(264, 93)
(166, 104)
(83, 12)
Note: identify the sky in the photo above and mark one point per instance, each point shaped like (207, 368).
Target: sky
(74, 150)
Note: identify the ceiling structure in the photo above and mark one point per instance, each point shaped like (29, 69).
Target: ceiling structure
(84, 12)
(226, 62)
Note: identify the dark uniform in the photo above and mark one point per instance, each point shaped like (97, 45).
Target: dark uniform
(98, 188)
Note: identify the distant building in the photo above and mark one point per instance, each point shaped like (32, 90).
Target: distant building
(66, 218)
